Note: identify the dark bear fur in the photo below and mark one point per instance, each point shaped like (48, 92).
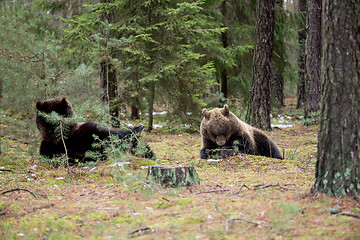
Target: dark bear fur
(80, 138)
(222, 129)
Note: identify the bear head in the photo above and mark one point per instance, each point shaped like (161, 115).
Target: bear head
(217, 125)
(59, 105)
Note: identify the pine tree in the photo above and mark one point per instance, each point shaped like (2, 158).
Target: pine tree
(337, 170)
(258, 113)
(313, 60)
(301, 58)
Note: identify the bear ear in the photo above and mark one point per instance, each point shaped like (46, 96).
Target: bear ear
(39, 105)
(67, 106)
(206, 113)
(225, 111)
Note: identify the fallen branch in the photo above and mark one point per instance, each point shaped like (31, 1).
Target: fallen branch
(22, 189)
(262, 186)
(212, 191)
(6, 170)
(239, 219)
(348, 214)
(236, 193)
(140, 232)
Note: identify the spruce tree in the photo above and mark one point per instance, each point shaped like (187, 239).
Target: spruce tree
(165, 49)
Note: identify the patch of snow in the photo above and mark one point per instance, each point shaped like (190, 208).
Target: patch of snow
(157, 126)
(119, 164)
(281, 125)
(215, 160)
(160, 113)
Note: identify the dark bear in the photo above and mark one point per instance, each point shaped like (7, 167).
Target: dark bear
(80, 136)
(220, 129)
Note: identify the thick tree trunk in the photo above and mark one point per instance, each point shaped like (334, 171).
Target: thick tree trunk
(258, 113)
(337, 167)
(174, 176)
(313, 59)
(301, 60)
(277, 86)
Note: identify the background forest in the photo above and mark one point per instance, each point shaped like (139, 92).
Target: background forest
(127, 57)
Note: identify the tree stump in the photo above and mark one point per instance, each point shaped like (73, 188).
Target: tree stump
(171, 176)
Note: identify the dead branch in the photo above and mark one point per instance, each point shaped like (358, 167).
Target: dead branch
(212, 191)
(22, 189)
(348, 214)
(236, 193)
(165, 199)
(262, 186)
(6, 170)
(239, 219)
(140, 232)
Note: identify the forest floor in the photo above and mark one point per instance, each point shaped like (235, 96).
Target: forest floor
(243, 197)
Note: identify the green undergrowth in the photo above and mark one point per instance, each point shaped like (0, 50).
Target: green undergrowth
(249, 196)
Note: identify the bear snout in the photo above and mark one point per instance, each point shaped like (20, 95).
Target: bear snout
(220, 140)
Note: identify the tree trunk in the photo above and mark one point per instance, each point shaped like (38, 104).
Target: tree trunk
(108, 82)
(258, 113)
(134, 112)
(313, 59)
(224, 83)
(151, 105)
(107, 72)
(224, 40)
(337, 167)
(277, 86)
(174, 176)
(301, 60)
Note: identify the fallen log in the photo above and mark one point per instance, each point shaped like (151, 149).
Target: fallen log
(171, 176)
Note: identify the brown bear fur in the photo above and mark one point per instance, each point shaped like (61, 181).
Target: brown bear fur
(222, 129)
(80, 138)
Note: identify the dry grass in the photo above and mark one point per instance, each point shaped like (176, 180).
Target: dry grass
(243, 197)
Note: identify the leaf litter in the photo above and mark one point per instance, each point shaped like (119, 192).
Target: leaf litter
(242, 197)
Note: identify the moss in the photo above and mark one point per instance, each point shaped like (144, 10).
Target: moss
(162, 204)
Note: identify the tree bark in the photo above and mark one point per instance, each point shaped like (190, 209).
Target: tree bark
(337, 167)
(134, 112)
(108, 82)
(107, 72)
(258, 113)
(174, 176)
(224, 40)
(313, 59)
(301, 59)
(151, 105)
(277, 86)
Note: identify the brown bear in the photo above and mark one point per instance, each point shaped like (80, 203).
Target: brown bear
(221, 129)
(80, 136)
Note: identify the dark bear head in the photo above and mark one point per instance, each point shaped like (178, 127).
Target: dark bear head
(60, 105)
(217, 125)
